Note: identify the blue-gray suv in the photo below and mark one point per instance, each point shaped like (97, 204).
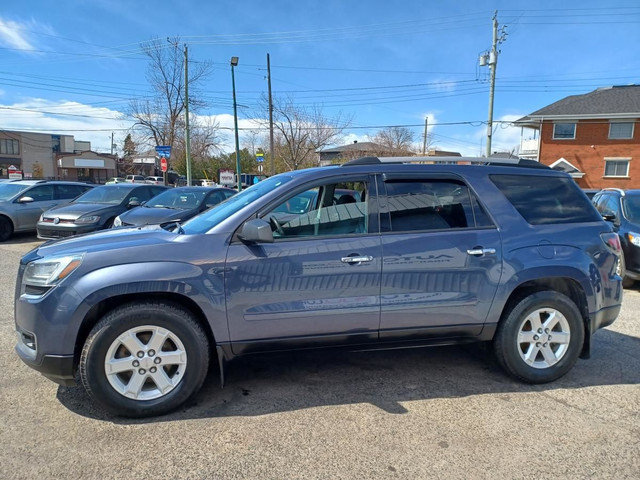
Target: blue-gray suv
(411, 255)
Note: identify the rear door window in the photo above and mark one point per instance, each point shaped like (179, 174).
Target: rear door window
(545, 200)
(430, 204)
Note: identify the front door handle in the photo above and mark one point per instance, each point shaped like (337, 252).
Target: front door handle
(481, 251)
(353, 260)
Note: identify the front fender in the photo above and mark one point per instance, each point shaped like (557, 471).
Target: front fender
(204, 288)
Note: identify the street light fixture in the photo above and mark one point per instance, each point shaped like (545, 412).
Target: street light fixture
(234, 63)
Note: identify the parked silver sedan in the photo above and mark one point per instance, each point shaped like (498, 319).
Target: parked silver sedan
(23, 201)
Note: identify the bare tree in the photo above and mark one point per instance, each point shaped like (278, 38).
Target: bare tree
(158, 117)
(300, 132)
(397, 138)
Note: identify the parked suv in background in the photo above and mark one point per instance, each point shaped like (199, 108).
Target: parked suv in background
(23, 201)
(135, 179)
(622, 209)
(424, 255)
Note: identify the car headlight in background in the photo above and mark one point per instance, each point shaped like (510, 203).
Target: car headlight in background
(117, 222)
(44, 273)
(41, 217)
(87, 220)
(634, 238)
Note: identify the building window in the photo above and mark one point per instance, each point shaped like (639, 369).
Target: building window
(620, 130)
(9, 147)
(564, 131)
(616, 168)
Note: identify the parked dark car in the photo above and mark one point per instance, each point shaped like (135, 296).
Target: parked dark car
(427, 255)
(174, 205)
(94, 210)
(622, 209)
(23, 201)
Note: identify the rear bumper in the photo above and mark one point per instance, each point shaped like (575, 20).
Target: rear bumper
(604, 317)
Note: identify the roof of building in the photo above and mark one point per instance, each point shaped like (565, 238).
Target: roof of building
(602, 102)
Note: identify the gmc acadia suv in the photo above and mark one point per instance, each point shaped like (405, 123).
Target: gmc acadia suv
(415, 255)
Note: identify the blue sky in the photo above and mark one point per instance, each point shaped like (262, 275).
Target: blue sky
(384, 63)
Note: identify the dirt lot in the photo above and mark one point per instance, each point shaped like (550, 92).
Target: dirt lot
(445, 412)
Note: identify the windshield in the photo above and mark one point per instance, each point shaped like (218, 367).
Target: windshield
(206, 221)
(111, 194)
(8, 190)
(178, 199)
(631, 205)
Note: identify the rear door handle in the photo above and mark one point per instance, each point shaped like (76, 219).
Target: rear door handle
(352, 260)
(481, 251)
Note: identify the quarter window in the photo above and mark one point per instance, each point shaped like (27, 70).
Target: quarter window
(327, 210)
(564, 131)
(418, 205)
(616, 168)
(620, 130)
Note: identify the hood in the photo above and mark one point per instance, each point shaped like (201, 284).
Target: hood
(75, 210)
(153, 215)
(105, 240)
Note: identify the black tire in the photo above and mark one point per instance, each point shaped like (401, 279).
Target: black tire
(509, 351)
(106, 333)
(6, 229)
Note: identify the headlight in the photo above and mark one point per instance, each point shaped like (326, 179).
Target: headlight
(634, 238)
(117, 222)
(47, 272)
(85, 220)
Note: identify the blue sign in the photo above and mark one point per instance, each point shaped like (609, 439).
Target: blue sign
(259, 157)
(163, 150)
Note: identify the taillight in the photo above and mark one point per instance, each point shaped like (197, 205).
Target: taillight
(612, 241)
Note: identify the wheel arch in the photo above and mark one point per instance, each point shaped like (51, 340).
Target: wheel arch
(100, 309)
(569, 287)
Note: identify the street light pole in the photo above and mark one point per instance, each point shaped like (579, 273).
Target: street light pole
(234, 63)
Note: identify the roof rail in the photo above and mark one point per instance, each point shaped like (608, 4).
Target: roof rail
(613, 189)
(512, 162)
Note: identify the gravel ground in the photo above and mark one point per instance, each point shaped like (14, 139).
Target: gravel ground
(446, 412)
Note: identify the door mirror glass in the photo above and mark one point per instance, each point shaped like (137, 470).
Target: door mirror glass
(25, 200)
(609, 216)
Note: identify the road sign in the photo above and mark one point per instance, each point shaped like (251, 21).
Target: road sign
(259, 157)
(163, 164)
(163, 151)
(227, 177)
(260, 168)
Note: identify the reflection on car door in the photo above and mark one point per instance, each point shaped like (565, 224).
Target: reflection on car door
(442, 260)
(28, 213)
(319, 281)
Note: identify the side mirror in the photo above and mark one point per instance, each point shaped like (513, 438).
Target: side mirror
(256, 231)
(134, 202)
(25, 200)
(609, 216)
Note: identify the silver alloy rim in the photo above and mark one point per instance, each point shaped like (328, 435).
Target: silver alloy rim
(145, 362)
(543, 338)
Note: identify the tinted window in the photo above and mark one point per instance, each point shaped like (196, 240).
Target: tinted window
(70, 191)
(631, 207)
(334, 209)
(414, 205)
(111, 194)
(545, 199)
(41, 193)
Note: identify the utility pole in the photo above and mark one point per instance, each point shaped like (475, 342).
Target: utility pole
(186, 113)
(491, 58)
(272, 159)
(111, 143)
(424, 143)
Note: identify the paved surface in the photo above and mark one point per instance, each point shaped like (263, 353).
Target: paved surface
(445, 412)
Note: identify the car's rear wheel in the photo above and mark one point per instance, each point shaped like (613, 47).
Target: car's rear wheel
(540, 338)
(144, 359)
(6, 229)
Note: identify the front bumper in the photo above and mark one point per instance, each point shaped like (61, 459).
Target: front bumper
(51, 231)
(57, 368)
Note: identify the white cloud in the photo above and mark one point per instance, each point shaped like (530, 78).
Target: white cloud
(18, 34)
(88, 123)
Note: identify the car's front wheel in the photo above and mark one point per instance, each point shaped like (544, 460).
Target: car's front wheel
(144, 359)
(6, 228)
(540, 339)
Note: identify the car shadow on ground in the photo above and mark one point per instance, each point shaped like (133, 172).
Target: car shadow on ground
(262, 385)
(22, 238)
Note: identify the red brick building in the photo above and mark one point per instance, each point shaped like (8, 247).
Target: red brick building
(594, 137)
